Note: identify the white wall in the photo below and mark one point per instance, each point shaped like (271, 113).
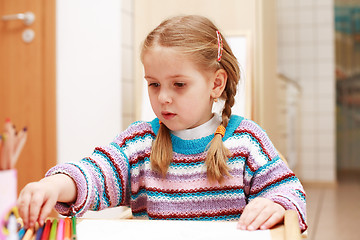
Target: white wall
(88, 53)
(306, 55)
(128, 46)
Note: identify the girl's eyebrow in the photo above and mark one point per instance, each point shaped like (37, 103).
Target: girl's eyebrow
(149, 77)
(171, 76)
(178, 76)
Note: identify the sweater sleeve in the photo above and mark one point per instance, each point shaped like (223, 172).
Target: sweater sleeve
(276, 182)
(102, 180)
(267, 176)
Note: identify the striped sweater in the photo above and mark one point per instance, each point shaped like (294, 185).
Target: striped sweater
(120, 174)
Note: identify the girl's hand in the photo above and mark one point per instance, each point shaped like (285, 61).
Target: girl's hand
(261, 213)
(37, 199)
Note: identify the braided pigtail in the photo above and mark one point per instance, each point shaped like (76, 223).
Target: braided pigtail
(217, 155)
(161, 151)
(216, 158)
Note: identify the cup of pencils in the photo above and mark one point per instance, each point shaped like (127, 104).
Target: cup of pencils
(53, 229)
(11, 145)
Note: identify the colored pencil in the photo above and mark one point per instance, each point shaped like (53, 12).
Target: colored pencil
(21, 138)
(2, 161)
(73, 228)
(21, 233)
(39, 233)
(53, 230)
(4, 136)
(46, 232)
(67, 231)
(29, 233)
(60, 230)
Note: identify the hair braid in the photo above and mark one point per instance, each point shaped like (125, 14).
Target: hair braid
(217, 156)
(229, 96)
(161, 151)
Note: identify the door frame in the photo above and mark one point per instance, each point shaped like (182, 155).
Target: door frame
(49, 74)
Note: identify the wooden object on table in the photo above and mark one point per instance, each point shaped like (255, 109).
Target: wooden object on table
(290, 230)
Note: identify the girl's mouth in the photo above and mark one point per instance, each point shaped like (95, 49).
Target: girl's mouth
(168, 115)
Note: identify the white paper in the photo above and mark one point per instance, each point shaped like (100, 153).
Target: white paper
(88, 229)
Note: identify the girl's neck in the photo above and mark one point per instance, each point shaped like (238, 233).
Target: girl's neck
(203, 130)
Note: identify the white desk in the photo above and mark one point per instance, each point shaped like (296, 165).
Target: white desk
(176, 230)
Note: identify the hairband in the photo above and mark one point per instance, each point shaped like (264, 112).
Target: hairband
(220, 130)
(220, 46)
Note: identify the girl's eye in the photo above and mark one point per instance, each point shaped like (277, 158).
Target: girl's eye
(154, 84)
(179, 84)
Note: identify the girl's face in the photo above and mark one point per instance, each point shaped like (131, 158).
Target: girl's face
(180, 94)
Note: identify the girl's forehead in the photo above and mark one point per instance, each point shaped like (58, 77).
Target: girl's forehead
(163, 52)
(169, 60)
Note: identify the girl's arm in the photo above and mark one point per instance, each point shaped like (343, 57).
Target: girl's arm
(275, 182)
(271, 187)
(37, 199)
(94, 183)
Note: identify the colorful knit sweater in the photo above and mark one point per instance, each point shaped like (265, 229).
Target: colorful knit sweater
(120, 174)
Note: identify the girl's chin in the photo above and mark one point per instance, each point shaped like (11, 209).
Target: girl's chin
(173, 127)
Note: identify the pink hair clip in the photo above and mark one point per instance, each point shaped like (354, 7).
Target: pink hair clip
(220, 46)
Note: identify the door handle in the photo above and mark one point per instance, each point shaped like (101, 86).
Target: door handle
(28, 17)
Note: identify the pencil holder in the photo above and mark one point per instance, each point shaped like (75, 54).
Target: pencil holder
(8, 195)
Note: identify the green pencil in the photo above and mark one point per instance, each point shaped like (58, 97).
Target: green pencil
(53, 230)
(73, 219)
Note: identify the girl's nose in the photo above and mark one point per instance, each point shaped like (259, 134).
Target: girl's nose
(164, 96)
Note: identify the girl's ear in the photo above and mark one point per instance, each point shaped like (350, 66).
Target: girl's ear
(219, 84)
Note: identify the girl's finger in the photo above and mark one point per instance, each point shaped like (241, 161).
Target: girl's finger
(251, 211)
(36, 203)
(260, 219)
(23, 206)
(46, 210)
(272, 221)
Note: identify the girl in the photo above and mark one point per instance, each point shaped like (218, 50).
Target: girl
(188, 163)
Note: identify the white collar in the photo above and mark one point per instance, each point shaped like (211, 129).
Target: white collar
(203, 130)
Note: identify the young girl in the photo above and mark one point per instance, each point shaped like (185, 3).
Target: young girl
(188, 163)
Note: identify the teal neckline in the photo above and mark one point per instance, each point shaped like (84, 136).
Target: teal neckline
(197, 146)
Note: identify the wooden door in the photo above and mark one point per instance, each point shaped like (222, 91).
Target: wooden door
(27, 84)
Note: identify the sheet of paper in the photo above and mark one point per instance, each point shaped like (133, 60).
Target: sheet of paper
(88, 229)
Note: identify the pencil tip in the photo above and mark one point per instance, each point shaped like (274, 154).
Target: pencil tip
(7, 120)
(25, 129)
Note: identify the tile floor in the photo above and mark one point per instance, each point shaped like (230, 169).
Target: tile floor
(334, 211)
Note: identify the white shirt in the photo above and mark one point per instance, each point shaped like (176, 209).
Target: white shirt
(203, 130)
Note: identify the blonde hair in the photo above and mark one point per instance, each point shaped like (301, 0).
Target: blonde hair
(195, 37)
